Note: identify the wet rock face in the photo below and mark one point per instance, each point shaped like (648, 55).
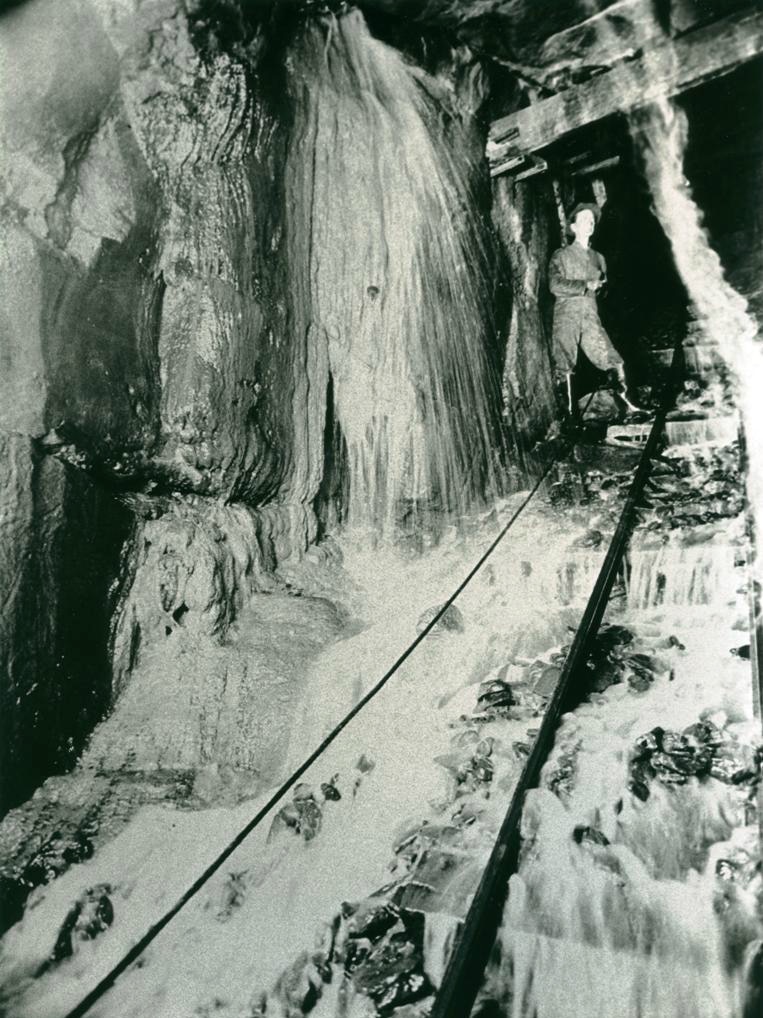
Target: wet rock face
(78, 211)
(523, 216)
(143, 313)
(193, 122)
(142, 352)
(137, 244)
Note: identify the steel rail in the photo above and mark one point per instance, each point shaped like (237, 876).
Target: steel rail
(466, 966)
(755, 609)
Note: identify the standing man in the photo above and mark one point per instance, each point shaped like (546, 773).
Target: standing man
(576, 274)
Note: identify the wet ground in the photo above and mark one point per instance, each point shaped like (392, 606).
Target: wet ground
(347, 900)
(639, 889)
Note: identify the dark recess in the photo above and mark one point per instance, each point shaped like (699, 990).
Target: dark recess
(58, 685)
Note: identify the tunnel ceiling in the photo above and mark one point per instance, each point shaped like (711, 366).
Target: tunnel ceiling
(549, 44)
(527, 33)
(514, 31)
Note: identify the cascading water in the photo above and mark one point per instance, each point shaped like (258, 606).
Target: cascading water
(250, 935)
(660, 131)
(621, 905)
(676, 575)
(392, 269)
(393, 264)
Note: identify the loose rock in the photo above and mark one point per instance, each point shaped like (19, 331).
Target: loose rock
(91, 915)
(452, 620)
(393, 972)
(700, 751)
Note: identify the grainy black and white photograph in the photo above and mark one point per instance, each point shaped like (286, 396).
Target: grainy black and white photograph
(381, 508)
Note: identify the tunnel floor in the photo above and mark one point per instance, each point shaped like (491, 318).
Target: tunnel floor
(351, 895)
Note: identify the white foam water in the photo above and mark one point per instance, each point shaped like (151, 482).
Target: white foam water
(275, 894)
(631, 927)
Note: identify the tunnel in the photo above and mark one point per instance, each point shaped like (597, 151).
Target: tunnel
(364, 651)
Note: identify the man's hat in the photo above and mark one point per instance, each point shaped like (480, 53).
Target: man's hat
(592, 208)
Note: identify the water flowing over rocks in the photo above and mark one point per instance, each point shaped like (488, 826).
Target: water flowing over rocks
(701, 750)
(275, 350)
(630, 816)
(421, 869)
(90, 915)
(384, 171)
(169, 338)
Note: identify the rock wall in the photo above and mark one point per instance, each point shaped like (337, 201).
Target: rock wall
(60, 537)
(79, 379)
(525, 220)
(146, 372)
(78, 208)
(723, 164)
(173, 359)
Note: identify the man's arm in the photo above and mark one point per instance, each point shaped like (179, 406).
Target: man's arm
(603, 268)
(559, 284)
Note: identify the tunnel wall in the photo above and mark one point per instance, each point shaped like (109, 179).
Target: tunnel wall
(525, 221)
(165, 389)
(724, 160)
(183, 327)
(148, 375)
(79, 360)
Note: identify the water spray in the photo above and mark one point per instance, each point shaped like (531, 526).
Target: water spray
(396, 272)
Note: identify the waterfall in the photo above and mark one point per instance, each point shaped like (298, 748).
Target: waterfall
(394, 274)
(590, 934)
(680, 576)
(660, 131)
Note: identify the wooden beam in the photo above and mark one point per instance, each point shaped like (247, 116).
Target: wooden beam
(666, 69)
(588, 169)
(534, 166)
(521, 166)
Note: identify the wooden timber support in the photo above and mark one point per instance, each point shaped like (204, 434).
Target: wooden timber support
(668, 68)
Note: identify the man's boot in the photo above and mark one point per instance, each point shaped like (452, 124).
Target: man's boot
(621, 393)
